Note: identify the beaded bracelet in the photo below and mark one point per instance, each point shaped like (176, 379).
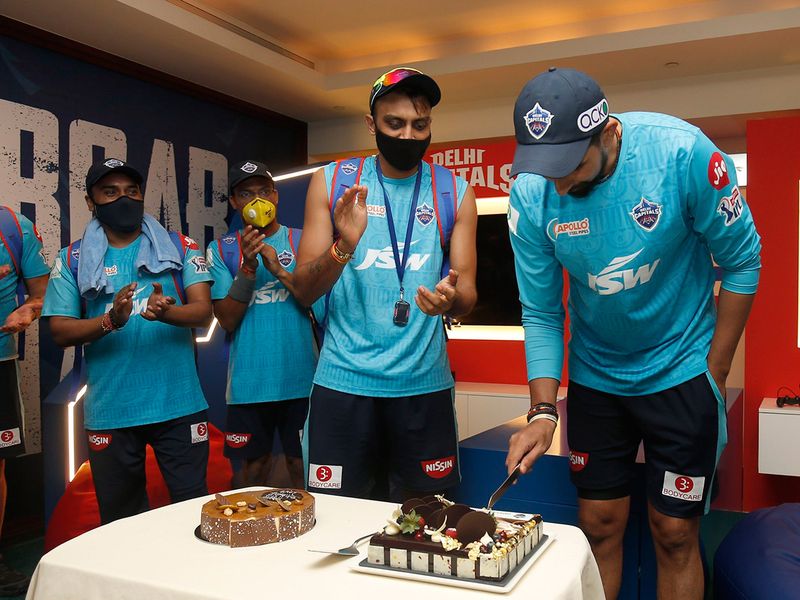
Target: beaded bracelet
(107, 323)
(543, 408)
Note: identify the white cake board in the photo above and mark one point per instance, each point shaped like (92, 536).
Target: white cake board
(476, 584)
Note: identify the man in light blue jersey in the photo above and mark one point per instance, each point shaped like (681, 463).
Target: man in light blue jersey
(272, 356)
(21, 259)
(636, 207)
(382, 407)
(130, 292)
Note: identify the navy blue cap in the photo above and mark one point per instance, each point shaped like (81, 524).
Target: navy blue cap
(110, 165)
(555, 116)
(245, 170)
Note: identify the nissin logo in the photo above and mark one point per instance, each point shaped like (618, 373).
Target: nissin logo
(614, 279)
(99, 441)
(237, 440)
(438, 468)
(577, 460)
(384, 259)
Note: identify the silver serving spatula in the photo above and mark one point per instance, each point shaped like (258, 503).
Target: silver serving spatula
(503, 487)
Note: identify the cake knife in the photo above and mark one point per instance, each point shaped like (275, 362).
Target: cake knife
(503, 487)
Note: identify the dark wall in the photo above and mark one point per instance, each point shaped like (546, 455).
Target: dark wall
(64, 105)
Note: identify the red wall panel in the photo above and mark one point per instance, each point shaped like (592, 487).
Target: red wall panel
(772, 358)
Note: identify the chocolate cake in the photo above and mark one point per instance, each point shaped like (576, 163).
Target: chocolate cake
(433, 535)
(256, 518)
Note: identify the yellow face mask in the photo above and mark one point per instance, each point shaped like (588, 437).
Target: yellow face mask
(259, 212)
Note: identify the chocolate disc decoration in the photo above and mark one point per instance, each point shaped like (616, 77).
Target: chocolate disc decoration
(426, 510)
(473, 525)
(436, 519)
(454, 513)
(410, 504)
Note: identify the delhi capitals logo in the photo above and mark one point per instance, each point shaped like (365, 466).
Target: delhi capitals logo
(249, 167)
(76, 253)
(424, 215)
(348, 168)
(285, 258)
(538, 121)
(647, 214)
(229, 239)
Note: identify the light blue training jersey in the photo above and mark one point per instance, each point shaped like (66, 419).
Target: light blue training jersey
(364, 352)
(272, 351)
(32, 264)
(638, 252)
(145, 372)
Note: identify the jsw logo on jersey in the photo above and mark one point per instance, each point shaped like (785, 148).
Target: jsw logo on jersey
(439, 467)
(139, 300)
(384, 259)
(614, 279)
(268, 294)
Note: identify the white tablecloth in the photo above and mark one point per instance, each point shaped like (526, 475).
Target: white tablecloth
(155, 555)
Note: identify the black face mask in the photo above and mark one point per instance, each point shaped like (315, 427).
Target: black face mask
(402, 154)
(123, 214)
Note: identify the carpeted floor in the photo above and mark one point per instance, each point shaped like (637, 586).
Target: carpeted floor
(24, 556)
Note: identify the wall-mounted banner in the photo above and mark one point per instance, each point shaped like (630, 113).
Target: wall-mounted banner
(59, 114)
(486, 165)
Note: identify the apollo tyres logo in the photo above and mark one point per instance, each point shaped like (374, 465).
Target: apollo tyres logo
(325, 476)
(10, 437)
(384, 259)
(438, 468)
(683, 487)
(592, 117)
(614, 279)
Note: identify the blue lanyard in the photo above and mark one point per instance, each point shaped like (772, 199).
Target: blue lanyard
(400, 264)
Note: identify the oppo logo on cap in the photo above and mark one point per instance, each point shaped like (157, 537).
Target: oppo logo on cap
(592, 117)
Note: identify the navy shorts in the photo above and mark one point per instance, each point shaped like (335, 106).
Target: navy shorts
(117, 458)
(363, 446)
(12, 442)
(250, 428)
(683, 430)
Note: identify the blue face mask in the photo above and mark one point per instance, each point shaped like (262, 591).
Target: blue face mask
(123, 214)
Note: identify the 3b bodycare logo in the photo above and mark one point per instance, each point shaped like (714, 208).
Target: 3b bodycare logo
(10, 437)
(325, 476)
(199, 432)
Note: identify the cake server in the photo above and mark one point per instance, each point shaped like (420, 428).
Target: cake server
(350, 550)
(503, 487)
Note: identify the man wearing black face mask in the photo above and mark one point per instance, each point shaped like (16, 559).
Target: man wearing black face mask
(382, 397)
(130, 292)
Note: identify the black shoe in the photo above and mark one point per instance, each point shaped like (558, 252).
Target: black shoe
(12, 582)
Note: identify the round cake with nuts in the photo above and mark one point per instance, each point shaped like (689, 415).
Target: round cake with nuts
(256, 518)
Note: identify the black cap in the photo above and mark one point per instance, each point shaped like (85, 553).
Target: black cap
(405, 77)
(110, 165)
(555, 117)
(245, 170)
